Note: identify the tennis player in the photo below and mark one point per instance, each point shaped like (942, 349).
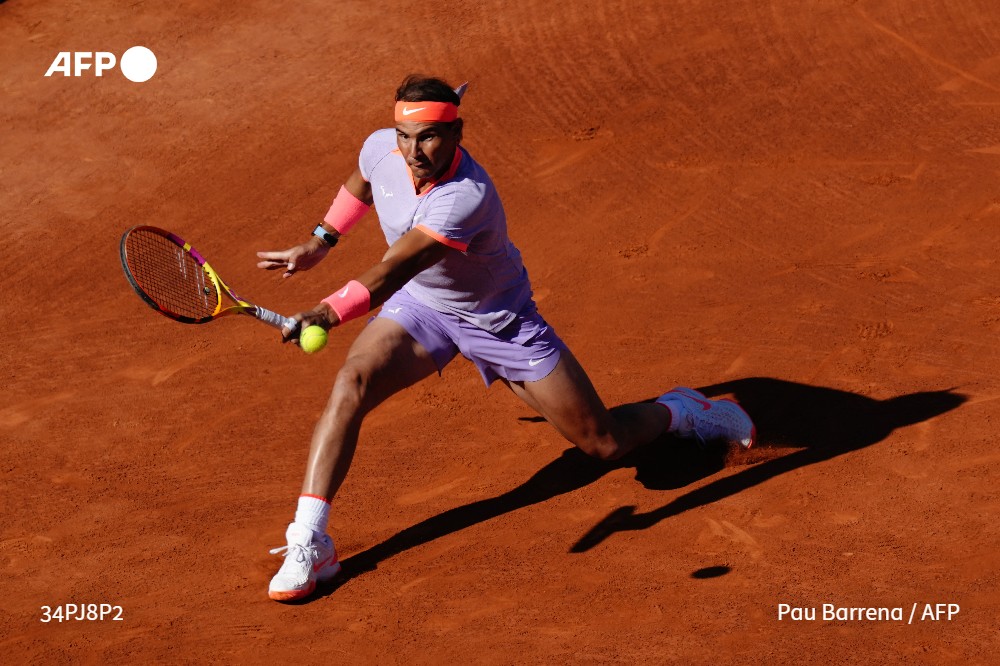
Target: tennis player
(450, 283)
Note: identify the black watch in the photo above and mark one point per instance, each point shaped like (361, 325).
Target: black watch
(320, 232)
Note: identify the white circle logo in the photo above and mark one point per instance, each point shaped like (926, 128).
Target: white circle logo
(138, 64)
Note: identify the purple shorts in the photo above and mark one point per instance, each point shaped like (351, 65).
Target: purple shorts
(526, 350)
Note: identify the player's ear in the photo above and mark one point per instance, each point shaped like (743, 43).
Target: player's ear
(456, 129)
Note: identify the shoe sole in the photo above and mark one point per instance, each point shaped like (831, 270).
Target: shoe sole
(295, 595)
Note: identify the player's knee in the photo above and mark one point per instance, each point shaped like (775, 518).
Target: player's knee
(349, 388)
(602, 448)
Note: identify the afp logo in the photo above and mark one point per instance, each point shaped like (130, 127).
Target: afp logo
(138, 64)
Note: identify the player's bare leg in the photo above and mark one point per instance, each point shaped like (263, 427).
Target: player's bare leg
(382, 361)
(567, 399)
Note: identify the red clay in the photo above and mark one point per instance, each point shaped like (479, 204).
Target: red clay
(793, 204)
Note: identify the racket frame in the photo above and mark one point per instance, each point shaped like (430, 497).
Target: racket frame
(241, 306)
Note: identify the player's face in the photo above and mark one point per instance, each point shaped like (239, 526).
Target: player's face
(428, 147)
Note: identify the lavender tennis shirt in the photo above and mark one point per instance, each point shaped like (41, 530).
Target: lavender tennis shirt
(484, 282)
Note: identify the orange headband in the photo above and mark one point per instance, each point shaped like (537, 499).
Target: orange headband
(427, 112)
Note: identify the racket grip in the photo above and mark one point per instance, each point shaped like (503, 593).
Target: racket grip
(274, 319)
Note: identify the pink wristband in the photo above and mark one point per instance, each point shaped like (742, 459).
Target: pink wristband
(351, 302)
(345, 212)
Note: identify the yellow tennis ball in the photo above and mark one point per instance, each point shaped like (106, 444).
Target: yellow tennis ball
(312, 339)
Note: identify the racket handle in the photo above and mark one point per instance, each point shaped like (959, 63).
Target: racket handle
(274, 319)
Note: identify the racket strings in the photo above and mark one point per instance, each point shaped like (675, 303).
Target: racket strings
(170, 276)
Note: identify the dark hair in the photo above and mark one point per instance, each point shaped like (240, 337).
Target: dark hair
(418, 88)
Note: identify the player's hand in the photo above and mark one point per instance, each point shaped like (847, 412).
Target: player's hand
(299, 258)
(322, 315)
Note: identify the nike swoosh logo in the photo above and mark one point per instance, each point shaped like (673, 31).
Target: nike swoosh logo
(394, 310)
(320, 565)
(407, 111)
(343, 294)
(704, 404)
(534, 362)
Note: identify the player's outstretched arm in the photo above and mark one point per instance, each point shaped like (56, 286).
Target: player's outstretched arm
(352, 202)
(302, 257)
(414, 252)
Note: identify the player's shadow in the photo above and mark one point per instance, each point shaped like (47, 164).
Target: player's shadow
(819, 423)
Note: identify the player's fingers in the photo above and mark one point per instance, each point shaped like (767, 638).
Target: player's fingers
(272, 263)
(275, 256)
(288, 333)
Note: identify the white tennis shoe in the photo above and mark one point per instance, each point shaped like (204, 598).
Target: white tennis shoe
(707, 419)
(307, 560)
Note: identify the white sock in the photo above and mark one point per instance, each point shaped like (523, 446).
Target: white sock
(313, 511)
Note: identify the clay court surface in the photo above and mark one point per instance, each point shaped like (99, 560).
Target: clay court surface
(796, 204)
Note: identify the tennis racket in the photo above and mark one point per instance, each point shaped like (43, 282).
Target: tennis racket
(176, 281)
